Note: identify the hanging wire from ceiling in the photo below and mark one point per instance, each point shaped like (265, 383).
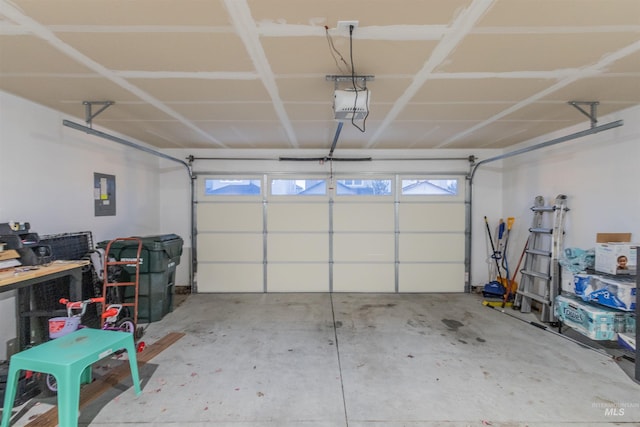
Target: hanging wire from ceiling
(335, 53)
(356, 88)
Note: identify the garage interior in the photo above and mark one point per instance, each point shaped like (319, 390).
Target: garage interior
(334, 170)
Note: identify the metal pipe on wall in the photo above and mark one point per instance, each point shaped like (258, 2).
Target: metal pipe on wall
(119, 140)
(549, 143)
(122, 141)
(396, 159)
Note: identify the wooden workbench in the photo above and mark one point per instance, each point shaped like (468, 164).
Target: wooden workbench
(16, 277)
(23, 279)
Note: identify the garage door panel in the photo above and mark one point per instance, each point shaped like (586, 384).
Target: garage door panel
(431, 247)
(230, 217)
(297, 217)
(431, 278)
(230, 277)
(229, 247)
(301, 277)
(298, 247)
(431, 217)
(400, 242)
(364, 277)
(363, 217)
(350, 247)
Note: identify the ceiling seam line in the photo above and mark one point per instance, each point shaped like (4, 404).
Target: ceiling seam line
(460, 28)
(221, 29)
(587, 29)
(242, 19)
(374, 32)
(203, 75)
(592, 70)
(45, 34)
(246, 75)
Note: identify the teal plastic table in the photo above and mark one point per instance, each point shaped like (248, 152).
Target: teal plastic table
(67, 358)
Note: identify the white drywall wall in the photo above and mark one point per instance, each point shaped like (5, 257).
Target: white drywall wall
(47, 171)
(46, 179)
(598, 173)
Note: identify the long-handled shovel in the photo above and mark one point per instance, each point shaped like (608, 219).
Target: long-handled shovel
(493, 248)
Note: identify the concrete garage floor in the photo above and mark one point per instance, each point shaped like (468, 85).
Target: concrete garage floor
(364, 360)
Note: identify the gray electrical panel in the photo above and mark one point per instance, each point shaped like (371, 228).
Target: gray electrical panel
(104, 194)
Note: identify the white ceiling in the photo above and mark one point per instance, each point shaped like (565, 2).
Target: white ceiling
(251, 74)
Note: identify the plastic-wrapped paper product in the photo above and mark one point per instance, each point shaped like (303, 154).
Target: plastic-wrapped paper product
(577, 260)
(616, 294)
(585, 285)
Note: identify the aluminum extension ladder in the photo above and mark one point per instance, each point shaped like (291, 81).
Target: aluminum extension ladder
(540, 279)
(114, 283)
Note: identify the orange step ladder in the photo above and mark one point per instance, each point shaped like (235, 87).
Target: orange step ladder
(122, 263)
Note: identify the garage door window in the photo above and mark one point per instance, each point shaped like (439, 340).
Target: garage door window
(363, 187)
(429, 187)
(299, 187)
(232, 187)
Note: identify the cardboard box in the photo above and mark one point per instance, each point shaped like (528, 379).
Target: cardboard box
(615, 254)
(616, 258)
(613, 237)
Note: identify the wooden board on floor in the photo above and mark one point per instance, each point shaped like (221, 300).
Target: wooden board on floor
(92, 391)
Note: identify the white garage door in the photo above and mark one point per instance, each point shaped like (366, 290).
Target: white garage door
(353, 234)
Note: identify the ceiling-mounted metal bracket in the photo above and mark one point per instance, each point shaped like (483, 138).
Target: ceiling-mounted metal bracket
(593, 114)
(88, 106)
(337, 79)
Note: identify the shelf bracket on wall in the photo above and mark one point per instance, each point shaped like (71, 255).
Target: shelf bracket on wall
(88, 106)
(592, 114)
